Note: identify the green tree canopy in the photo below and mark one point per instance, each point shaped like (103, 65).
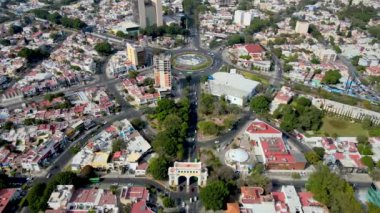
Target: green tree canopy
(235, 39)
(332, 77)
(208, 128)
(312, 157)
(87, 172)
(333, 191)
(158, 168)
(33, 55)
(138, 123)
(260, 104)
(103, 48)
(214, 195)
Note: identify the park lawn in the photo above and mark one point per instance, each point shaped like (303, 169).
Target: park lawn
(341, 127)
(254, 77)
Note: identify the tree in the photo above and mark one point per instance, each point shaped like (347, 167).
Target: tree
(320, 151)
(367, 160)
(8, 125)
(206, 104)
(166, 145)
(158, 168)
(367, 123)
(33, 55)
(14, 29)
(214, 195)
(4, 182)
(138, 123)
(277, 52)
(313, 30)
(260, 104)
(235, 39)
(296, 175)
(117, 145)
(168, 202)
(332, 191)
(315, 60)
(331, 77)
(208, 128)
(287, 67)
(133, 74)
(87, 172)
(5, 42)
(103, 48)
(34, 198)
(312, 157)
(362, 139)
(74, 150)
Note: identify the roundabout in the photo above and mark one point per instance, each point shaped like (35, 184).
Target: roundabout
(191, 61)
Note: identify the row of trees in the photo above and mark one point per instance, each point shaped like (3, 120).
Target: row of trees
(173, 29)
(173, 121)
(56, 18)
(299, 115)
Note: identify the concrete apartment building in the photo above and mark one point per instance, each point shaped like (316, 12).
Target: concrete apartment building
(162, 72)
(346, 110)
(149, 13)
(244, 18)
(136, 54)
(326, 55)
(302, 27)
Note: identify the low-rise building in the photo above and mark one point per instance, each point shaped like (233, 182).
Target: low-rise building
(346, 110)
(60, 197)
(271, 149)
(99, 200)
(133, 194)
(236, 89)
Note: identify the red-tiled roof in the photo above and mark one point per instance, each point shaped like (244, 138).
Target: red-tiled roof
(5, 196)
(233, 208)
(254, 48)
(306, 199)
(259, 127)
(135, 193)
(251, 194)
(107, 198)
(140, 207)
(84, 196)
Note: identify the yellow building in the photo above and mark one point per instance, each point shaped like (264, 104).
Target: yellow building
(100, 160)
(136, 54)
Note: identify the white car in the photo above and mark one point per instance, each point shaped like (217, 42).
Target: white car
(216, 142)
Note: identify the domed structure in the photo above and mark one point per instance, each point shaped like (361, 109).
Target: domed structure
(236, 156)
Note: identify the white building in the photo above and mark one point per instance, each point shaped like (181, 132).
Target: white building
(302, 27)
(292, 199)
(60, 197)
(244, 18)
(236, 89)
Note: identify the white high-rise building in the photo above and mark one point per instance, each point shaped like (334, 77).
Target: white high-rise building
(244, 18)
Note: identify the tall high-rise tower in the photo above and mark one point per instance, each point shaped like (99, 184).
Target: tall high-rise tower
(148, 12)
(162, 72)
